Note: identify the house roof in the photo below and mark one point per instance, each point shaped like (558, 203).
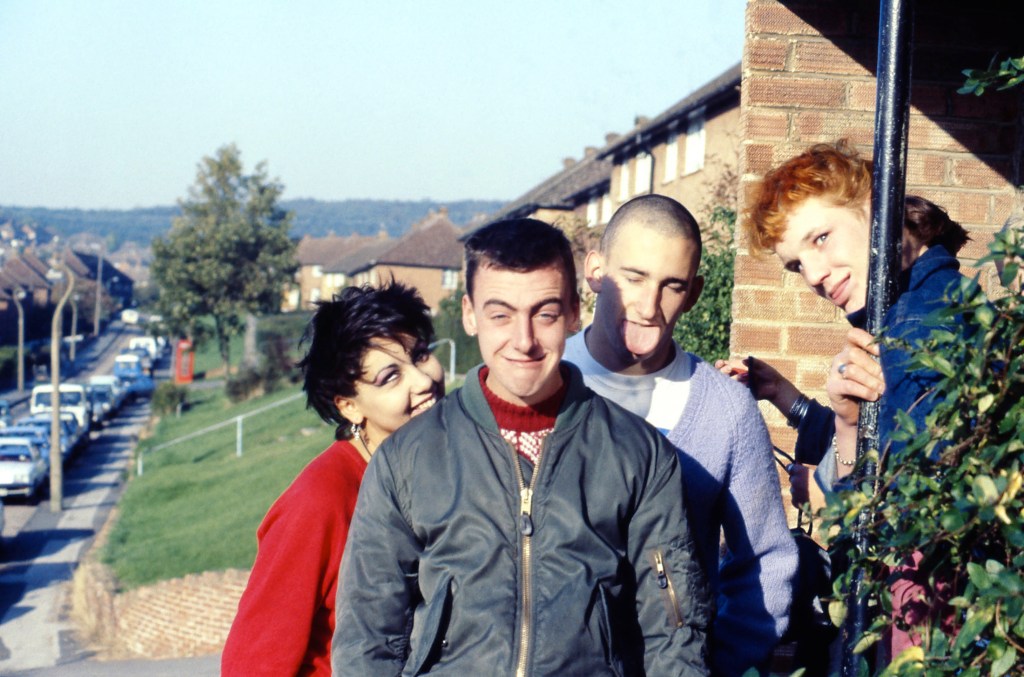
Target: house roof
(558, 191)
(76, 265)
(325, 251)
(432, 243)
(91, 262)
(18, 271)
(718, 90)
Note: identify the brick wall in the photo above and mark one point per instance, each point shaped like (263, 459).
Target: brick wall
(187, 616)
(808, 77)
(183, 617)
(426, 280)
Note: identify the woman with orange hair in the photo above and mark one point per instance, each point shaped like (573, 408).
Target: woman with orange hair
(814, 213)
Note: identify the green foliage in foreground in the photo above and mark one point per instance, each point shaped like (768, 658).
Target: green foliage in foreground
(704, 331)
(954, 495)
(197, 505)
(1009, 73)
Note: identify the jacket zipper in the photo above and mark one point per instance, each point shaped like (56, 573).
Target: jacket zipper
(665, 583)
(526, 528)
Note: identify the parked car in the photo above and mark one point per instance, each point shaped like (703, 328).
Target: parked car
(76, 438)
(23, 470)
(5, 414)
(36, 433)
(147, 343)
(73, 398)
(128, 367)
(117, 388)
(102, 404)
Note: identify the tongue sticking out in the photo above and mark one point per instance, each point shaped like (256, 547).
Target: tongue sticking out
(640, 340)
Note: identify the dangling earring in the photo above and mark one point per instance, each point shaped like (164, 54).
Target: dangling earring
(357, 434)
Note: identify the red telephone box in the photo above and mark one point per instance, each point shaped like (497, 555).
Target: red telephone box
(183, 362)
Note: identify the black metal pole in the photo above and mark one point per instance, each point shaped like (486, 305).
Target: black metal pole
(892, 115)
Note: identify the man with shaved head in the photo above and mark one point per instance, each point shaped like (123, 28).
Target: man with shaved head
(645, 277)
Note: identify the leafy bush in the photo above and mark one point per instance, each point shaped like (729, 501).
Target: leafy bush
(953, 495)
(704, 330)
(1009, 73)
(8, 363)
(244, 384)
(167, 397)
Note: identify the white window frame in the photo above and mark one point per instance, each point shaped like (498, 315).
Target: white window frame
(449, 278)
(624, 181)
(606, 208)
(644, 166)
(695, 142)
(593, 212)
(671, 158)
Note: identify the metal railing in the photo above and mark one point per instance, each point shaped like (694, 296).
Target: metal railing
(236, 420)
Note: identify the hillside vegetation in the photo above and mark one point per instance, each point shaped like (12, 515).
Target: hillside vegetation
(312, 217)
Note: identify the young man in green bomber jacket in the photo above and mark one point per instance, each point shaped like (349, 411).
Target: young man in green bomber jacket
(524, 525)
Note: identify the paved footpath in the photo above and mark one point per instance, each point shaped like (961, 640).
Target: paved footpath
(36, 636)
(34, 630)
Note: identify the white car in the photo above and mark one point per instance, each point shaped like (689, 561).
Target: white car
(23, 469)
(73, 398)
(147, 343)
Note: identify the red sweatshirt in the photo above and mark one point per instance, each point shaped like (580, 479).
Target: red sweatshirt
(285, 618)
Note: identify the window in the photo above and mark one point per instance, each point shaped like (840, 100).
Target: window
(318, 271)
(643, 173)
(593, 212)
(694, 160)
(624, 181)
(314, 294)
(449, 278)
(671, 157)
(606, 208)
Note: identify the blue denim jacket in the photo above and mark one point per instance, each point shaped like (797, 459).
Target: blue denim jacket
(924, 287)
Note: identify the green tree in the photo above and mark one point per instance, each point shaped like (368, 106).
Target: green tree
(448, 325)
(229, 253)
(704, 331)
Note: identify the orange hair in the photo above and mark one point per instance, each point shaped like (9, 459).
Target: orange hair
(834, 172)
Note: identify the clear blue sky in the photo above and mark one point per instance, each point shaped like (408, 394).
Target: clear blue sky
(111, 103)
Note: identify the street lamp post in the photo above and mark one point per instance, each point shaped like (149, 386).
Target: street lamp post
(99, 290)
(19, 294)
(57, 469)
(74, 325)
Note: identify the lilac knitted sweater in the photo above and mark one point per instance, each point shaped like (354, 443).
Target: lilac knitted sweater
(731, 485)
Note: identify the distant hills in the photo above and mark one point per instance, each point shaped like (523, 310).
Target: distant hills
(312, 217)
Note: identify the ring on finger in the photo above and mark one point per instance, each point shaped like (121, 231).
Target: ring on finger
(842, 369)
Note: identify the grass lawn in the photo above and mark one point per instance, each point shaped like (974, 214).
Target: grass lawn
(197, 506)
(208, 361)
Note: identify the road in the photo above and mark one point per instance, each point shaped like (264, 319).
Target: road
(42, 549)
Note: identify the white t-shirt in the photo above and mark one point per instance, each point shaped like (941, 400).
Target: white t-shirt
(659, 397)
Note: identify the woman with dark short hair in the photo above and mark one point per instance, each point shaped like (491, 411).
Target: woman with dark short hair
(368, 369)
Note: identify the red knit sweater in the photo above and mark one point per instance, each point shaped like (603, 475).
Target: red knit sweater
(524, 427)
(285, 618)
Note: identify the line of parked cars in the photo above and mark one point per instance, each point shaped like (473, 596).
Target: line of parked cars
(25, 453)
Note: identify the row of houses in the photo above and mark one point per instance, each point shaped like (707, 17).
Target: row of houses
(26, 279)
(806, 75)
(687, 152)
(428, 256)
